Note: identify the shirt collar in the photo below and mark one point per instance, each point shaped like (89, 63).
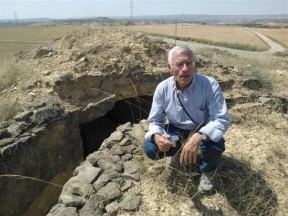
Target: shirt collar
(190, 87)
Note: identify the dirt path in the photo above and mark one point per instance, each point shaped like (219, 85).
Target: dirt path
(275, 47)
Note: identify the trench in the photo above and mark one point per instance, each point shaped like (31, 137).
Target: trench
(129, 110)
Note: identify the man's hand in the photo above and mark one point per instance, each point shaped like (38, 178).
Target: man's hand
(162, 141)
(190, 149)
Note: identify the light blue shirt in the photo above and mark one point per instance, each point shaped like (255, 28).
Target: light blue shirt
(203, 100)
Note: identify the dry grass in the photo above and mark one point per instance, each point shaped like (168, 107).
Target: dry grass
(239, 190)
(21, 38)
(227, 34)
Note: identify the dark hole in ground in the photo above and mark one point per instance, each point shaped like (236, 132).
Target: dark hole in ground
(129, 110)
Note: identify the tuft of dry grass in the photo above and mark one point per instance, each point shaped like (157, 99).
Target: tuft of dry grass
(243, 188)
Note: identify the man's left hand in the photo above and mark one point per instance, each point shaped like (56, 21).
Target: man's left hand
(190, 149)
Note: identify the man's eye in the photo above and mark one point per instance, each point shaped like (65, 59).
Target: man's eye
(181, 64)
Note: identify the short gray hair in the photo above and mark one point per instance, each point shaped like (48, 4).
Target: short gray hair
(181, 49)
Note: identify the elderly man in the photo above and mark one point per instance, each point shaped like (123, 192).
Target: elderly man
(196, 112)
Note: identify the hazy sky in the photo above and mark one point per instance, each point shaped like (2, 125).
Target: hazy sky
(60, 9)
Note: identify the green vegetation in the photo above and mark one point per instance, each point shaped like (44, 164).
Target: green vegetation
(213, 43)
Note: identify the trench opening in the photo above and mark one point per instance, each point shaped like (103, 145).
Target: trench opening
(129, 110)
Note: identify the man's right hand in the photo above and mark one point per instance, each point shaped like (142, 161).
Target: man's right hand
(162, 141)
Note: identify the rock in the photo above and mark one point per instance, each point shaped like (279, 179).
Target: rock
(111, 163)
(125, 141)
(6, 141)
(62, 210)
(130, 202)
(125, 127)
(115, 137)
(116, 150)
(112, 208)
(101, 181)
(42, 52)
(77, 187)
(128, 184)
(110, 191)
(4, 133)
(23, 116)
(93, 207)
(72, 201)
(86, 172)
(131, 167)
(4, 124)
(47, 113)
(19, 128)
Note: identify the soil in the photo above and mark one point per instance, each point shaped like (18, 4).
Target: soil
(253, 177)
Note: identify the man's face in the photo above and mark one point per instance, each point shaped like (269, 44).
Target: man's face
(182, 68)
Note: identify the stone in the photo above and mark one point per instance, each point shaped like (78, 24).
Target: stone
(42, 52)
(94, 206)
(62, 210)
(125, 141)
(38, 104)
(110, 191)
(116, 150)
(109, 161)
(129, 149)
(72, 200)
(126, 157)
(4, 124)
(130, 202)
(18, 128)
(23, 116)
(75, 186)
(131, 167)
(47, 113)
(125, 127)
(86, 172)
(4, 133)
(94, 157)
(101, 181)
(128, 184)
(115, 137)
(6, 141)
(112, 208)
(134, 176)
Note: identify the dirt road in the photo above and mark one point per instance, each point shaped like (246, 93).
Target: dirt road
(274, 47)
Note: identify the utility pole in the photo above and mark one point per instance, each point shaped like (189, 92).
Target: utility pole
(16, 18)
(131, 11)
(175, 33)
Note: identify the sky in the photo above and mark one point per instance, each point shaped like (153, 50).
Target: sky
(63, 9)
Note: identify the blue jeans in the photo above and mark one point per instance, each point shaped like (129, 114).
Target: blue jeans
(210, 152)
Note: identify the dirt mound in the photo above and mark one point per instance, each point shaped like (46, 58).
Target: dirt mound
(256, 142)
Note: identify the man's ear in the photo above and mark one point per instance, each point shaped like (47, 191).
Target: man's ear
(169, 66)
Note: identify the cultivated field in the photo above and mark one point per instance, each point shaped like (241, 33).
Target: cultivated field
(21, 38)
(224, 34)
(279, 35)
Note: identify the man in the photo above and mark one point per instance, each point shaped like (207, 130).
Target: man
(196, 111)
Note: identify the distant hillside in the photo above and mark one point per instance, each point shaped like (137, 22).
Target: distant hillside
(248, 20)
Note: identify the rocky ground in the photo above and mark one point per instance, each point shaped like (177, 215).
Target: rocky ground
(253, 177)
